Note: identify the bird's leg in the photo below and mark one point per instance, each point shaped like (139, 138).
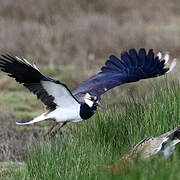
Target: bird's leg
(55, 132)
(52, 127)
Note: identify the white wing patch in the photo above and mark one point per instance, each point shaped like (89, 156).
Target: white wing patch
(166, 58)
(63, 97)
(173, 64)
(159, 54)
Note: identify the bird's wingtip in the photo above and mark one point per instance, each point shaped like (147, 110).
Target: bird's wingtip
(172, 65)
(159, 54)
(166, 58)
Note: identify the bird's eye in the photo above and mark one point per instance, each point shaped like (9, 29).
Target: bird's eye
(93, 98)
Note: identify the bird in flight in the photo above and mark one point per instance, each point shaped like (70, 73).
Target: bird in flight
(65, 106)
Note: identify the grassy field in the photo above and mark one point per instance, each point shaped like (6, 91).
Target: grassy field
(84, 150)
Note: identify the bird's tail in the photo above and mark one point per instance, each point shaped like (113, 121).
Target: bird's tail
(141, 65)
(42, 117)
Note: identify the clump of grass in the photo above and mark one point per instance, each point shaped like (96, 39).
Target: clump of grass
(84, 149)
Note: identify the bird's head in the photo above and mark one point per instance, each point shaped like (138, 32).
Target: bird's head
(92, 101)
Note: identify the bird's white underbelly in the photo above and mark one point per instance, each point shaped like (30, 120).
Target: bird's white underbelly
(66, 114)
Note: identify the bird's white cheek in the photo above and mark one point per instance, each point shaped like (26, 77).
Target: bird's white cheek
(88, 102)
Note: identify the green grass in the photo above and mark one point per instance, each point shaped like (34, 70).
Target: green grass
(85, 148)
(8, 168)
(24, 104)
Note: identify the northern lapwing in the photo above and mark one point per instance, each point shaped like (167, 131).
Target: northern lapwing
(80, 104)
(162, 146)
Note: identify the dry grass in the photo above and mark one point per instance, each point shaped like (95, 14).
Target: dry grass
(13, 141)
(67, 32)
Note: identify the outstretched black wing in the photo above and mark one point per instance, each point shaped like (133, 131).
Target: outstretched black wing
(50, 91)
(131, 67)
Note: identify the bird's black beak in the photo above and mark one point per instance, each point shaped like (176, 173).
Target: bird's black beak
(100, 104)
